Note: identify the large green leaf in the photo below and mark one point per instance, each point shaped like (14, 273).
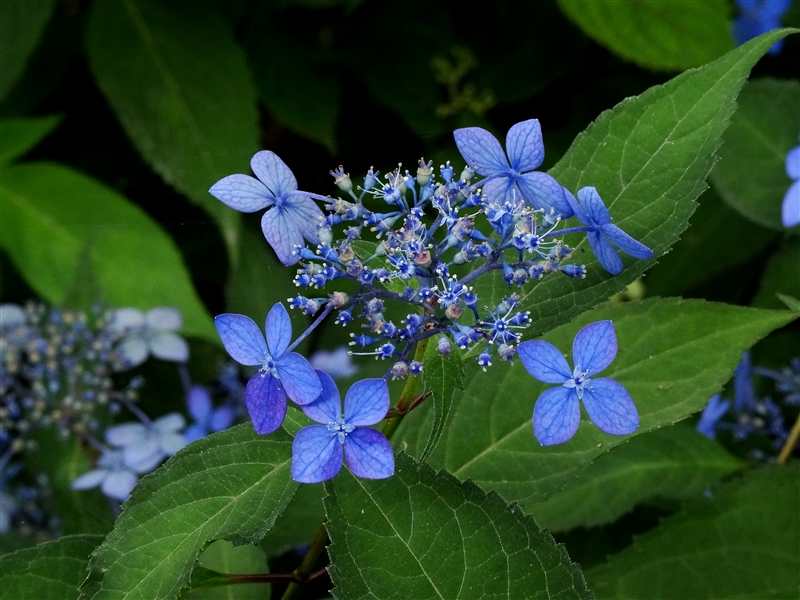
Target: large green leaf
(673, 355)
(741, 542)
(49, 570)
(672, 462)
(223, 557)
(442, 376)
(648, 157)
(17, 136)
(780, 276)
(656, 34)
(421, 534)
(231, 485)
(21, 26)
(751, 172)
(134, 262)
(181, 89)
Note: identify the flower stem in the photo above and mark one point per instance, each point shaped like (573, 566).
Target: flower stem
(791, 442)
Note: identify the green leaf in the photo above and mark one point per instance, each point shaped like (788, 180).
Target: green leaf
(739, 543)
(648, 157)
(299, 523)
(780, 276)
(193, 125)
(441, 376)
(656, 34)
(17, 136)
(673, 355)
(716, 232)
(296, 86)
(135, 263)
(231, 485)
(49, 570)
(751, 172)
(223, 557)
(673, 462)
(790, 302)
(21, 26)
(421, 534)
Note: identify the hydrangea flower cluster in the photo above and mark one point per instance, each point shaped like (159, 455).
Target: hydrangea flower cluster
(746, 414)
(434, 236)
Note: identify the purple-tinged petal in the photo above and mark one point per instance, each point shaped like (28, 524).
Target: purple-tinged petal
(790, 209)
(243, 193)
(744, 397)
(556, 416)
(273, 173)
(316, 455)
(525, 146)
(123, 319)
(194, 432)
(90, 479)
(163, 318)
(481, 150)
(595, 347)
(711, 415)
(169, 346)
(242, 338)
(169, 423)
(282, 234)
(126, 434)
(266, 403)
(610, 407)
(369, 454)
(198, 402)
(304, 214)
(793, 163)
(605, 253)
(221, 419)
(279, 330)
(593, 205)
(576, 208)
(119, 485)
(544, 361)
(133, 351)
(327, 408)
(772, 10)
(298, 378)
(626, 243)
(540, 190)
(500, 190)
(366, 402)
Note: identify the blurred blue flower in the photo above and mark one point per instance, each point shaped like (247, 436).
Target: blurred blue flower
(593, 212)
(148, 333)
(294, 215)
(318, 450)
(145, 445)
(790, 209)
(757, 17)
(557, 412)
(207, 419)
(338, 363)
(504, 181)
(711, 415)
(115, 478)
(281, 373)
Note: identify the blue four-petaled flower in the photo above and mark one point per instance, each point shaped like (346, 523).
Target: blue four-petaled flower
(557, 412)
(207, 419)
(790, 209)
(293, 216)
(590, 210)
(318, 450)
(281, 372)
(517, 178)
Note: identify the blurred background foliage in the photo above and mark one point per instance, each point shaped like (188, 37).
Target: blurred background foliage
(117, 116)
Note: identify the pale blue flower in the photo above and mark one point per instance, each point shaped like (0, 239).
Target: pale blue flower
(148, 333)
(557, 412)
(337, 363)
(145, 445)
(115, 478)
(790, 209)
(318, 450)
(207, 419)
(294, 215)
